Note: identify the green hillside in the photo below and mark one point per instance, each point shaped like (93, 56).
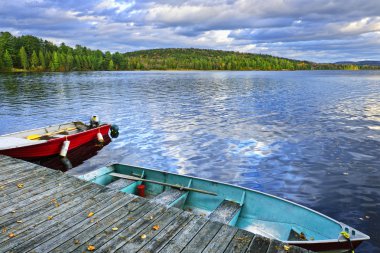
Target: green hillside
(204, 59)
(29, 53)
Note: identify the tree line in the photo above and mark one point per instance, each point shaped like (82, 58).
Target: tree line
(29, 53)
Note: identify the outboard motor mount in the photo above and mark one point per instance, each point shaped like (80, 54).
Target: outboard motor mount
(94, 122)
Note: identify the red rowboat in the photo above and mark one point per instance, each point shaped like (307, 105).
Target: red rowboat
(48, 141)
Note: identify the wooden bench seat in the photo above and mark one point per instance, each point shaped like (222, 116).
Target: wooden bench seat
(169, 196)
(120, 184)
(225, 212)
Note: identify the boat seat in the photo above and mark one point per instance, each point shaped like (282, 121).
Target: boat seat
(169, 196)
(225, 212)
(295, 236)
(58, 136)
(120, 184)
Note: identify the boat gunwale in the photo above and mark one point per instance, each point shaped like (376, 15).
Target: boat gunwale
(28, 130)
(362, 238)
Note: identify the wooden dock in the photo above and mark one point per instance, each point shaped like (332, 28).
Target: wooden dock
(43, 210)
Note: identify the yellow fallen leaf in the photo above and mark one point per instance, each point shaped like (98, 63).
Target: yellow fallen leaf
(286, 247)
(4, 230)
(20, 185)
(50, 217)
(91, 248)
(19, 221)
(90, 214)
(115, 229)
(11, 235)
(156, 227)
(143, 236)
(2, 187)
(76, 241)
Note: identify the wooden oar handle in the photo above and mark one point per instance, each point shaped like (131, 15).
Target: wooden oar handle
(161, 183)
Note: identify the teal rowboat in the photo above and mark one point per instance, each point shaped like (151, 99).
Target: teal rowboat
(244, 208)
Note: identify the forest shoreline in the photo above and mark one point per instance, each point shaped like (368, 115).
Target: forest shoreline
(31, 54)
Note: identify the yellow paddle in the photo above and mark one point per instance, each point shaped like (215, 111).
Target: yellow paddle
(37, 136)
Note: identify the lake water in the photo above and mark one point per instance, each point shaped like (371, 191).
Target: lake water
(311, 137)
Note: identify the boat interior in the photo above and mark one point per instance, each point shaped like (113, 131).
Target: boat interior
(247, 209)
(53, 131)
(41, 135)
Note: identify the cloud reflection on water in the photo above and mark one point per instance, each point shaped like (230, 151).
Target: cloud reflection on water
(311, 137)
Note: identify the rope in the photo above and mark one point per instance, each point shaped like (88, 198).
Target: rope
(347, 236)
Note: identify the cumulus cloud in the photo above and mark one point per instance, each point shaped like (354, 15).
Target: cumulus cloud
(321, 31)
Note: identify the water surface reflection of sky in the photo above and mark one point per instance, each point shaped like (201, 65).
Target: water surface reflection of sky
(312, 137)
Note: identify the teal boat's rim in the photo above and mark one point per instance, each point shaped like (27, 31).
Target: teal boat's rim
(358, 237)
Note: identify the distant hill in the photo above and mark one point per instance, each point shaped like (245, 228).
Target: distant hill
(206, 59)
(29, 53)
(360, 63)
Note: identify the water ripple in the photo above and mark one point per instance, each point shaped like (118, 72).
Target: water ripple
(312, 137)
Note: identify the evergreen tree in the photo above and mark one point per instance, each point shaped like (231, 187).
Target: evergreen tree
(35, 62)
(55, 62)
(7, 42)
(70, 61)
(23, 58)
(107, 59)
(42, 59)
(110, 65)
(7, 61)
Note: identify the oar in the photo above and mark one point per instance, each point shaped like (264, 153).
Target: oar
(37, 136)
(161, 183)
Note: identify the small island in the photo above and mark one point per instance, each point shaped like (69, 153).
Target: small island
(31, 54)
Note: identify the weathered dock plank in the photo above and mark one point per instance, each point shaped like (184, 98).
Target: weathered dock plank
(136, 229)
(259, 244)
(203, 237)
(63, 199)
(73, 241)
(31, 178)
(69, 233)
(39, 193)
(275, 246)
(147, 211)
(29, 225)
(185, 235)
(49, 212)
(25, 186)
(159, 241)
(136, 243)
(51, 228)
(240, 242)
(18, 170)
(221, 240)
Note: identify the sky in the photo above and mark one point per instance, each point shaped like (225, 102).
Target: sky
(314, 30)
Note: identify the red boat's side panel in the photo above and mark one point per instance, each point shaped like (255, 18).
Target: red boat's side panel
(53, 147)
